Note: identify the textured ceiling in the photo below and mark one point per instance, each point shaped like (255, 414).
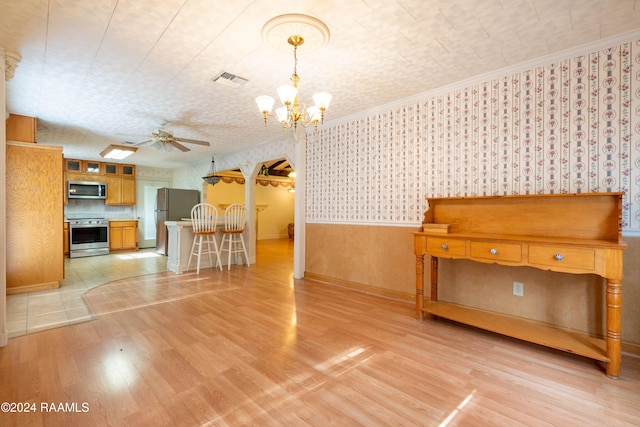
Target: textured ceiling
(103, 72)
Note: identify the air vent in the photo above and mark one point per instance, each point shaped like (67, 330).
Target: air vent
(230, 80)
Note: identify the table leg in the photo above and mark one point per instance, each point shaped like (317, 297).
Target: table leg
(419, 285)
(614, 310)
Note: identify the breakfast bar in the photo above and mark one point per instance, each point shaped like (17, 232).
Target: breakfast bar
(180, 238)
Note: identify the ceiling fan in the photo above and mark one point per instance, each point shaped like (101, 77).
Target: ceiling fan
(164, 140)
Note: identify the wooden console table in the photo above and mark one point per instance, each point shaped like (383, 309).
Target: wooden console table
(568, 233)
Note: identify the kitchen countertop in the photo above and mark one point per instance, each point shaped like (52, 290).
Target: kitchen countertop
(109, 219)
(187, 222)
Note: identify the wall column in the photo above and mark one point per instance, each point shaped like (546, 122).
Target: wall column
(249, 172)
(299, 238)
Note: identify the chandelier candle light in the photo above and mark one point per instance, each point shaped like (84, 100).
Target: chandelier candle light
(292, 111)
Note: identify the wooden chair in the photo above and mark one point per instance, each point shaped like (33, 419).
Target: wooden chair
(204, 217)
(234, 222)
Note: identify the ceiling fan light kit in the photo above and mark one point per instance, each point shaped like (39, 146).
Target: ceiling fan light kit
(161, 146)
(295, 29)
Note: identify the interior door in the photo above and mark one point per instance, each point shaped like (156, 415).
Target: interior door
(146, 192)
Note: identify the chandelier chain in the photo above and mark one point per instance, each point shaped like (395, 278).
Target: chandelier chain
(295, 60)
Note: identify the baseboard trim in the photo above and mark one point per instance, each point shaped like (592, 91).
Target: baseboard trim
(367, 289)
(631, 349)
(628, 348)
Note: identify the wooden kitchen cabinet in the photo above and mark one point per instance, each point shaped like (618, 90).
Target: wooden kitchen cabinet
(21, 128)
(120, 191)
(123, 235)
(72, 165)
(119, 169)
(120, 179)
(87, 167)
(34, 214)
(111, 168)
(128, 191)
(93, 168)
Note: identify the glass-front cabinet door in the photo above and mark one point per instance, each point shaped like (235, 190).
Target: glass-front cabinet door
(92, 167)
(128, 170)
(72, 165)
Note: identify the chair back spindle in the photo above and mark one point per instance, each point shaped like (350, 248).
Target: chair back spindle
(235, 218)
(204, 217)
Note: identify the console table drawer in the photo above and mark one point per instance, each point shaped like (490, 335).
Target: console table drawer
(445, 247)
(497, 251)
(554, 256)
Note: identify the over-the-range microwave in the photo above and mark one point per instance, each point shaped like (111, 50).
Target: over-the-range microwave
(87, 190)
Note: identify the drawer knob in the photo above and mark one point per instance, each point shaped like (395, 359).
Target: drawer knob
(493, 251)
(444, 246)
(558, 257)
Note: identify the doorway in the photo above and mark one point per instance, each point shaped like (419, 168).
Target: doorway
(146, 192)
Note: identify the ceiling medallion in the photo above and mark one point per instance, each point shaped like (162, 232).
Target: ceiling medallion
(277, 31)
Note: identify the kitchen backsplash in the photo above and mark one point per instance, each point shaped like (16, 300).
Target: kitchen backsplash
(97, 209)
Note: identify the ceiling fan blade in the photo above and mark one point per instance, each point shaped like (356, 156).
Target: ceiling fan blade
(193, 141)
(179, 146)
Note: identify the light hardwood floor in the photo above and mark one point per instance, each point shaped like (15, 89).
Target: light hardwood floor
(253, 346)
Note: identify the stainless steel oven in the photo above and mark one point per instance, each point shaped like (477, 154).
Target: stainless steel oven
(88, 237)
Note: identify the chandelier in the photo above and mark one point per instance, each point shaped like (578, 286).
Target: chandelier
(292, 112)
(211, 178)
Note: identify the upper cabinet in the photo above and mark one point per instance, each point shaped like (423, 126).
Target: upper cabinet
(89, 167)
(21, 128)
(120, 179)
(113, 169)
(120, 191)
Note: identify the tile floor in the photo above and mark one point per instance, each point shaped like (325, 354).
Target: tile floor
(37, 311)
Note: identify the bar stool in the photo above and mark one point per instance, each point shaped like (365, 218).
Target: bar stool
(204, 217)
(234, 221)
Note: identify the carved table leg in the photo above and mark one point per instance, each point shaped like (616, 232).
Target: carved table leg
(614, 309)
(419, 285)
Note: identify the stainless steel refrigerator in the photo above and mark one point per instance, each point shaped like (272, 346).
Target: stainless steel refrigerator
(172, 204)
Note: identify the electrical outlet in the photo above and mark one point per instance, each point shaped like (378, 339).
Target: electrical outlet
(518, 289)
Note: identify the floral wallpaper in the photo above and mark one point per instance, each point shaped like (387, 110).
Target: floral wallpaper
(567, 127)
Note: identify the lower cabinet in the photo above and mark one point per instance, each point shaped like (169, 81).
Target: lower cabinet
(123, 235)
